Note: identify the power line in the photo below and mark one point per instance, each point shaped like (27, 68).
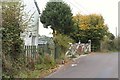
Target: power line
(78, 7)
(82, 7)
(74, 6)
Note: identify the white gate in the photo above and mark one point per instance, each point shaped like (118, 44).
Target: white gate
(79, 48)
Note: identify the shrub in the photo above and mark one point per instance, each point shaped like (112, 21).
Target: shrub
(40, 60)
(49, 59)
(62, 44)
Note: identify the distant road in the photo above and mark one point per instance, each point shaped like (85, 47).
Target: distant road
(90, 66)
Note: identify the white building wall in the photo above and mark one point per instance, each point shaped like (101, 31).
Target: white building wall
(33, 28)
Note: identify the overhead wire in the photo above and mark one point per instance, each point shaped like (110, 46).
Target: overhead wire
(78, 8)
(75, 6)
(81, 6)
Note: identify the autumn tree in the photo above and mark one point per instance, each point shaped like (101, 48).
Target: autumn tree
(90, 27)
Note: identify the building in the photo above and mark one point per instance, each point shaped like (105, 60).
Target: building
(31, 33)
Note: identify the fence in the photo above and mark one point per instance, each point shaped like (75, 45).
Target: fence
(33, 52)
(30, 52)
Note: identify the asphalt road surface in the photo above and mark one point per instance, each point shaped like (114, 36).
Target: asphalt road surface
(90, 66)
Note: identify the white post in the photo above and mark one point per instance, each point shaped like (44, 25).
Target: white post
(89, 45)
(79, 42)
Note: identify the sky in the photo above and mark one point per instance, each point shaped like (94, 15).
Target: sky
(107, 8)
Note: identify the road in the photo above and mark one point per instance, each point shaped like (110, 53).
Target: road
(90, 66)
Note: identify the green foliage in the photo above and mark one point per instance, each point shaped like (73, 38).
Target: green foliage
(116, 43)
(48, 60)
(12, 45)
(63, 40)
(57, 15)
(108, 44)
(40, 60)
(11, 41)
(62, 44)
(110, 36)
(42, 67)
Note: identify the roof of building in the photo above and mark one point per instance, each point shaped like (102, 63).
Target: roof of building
(42, 42)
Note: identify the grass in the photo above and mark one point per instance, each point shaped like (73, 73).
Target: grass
(41, 70)
(43, 67)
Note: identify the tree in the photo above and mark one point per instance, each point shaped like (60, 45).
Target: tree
(13, 25)
(111, 36)
(90, 27)
(57, 15)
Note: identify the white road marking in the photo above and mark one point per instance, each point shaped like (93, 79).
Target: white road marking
(73, 65)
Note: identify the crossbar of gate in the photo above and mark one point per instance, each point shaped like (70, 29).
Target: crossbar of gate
(78, 48)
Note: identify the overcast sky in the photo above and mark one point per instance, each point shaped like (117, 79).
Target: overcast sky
(107, 8)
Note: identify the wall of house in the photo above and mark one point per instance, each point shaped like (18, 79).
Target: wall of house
(30, 36)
